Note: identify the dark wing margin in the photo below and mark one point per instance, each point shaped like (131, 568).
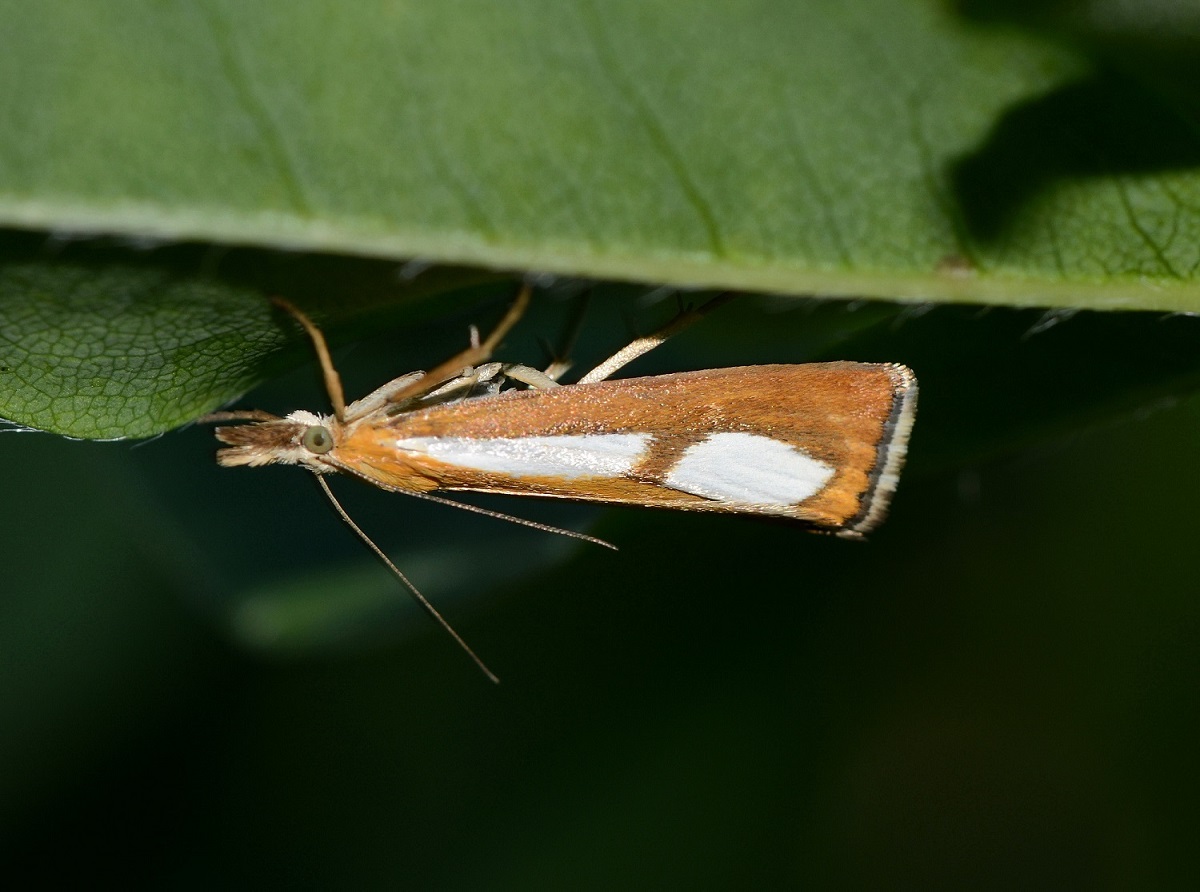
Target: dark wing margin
(889, 460)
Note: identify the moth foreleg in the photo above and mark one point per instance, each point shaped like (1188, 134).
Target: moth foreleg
(377, 399)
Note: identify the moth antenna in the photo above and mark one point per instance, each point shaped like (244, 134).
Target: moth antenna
(521, 521)
(413, 590)
(645, 344)
(333, 382)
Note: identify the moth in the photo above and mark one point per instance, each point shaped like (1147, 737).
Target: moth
(821, 444)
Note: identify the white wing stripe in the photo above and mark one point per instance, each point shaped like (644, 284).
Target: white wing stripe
(573, 456)
(748, 469)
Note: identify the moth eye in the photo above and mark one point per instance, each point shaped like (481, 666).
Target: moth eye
(317, 440)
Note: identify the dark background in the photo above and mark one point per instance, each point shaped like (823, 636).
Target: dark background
(205, 680)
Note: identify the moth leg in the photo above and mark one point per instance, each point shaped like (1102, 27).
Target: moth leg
(377, 399)
(333, 382)
(474, 355)
(561, 362)
(493, 375)
(536, 379)
(645, 344)
(467, 378)
(557, 369)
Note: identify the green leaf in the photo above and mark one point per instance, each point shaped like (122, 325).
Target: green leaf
(103, 344)
(906, 150)
(873, 148)
(71, 373)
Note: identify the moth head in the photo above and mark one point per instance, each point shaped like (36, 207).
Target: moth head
(301, 438)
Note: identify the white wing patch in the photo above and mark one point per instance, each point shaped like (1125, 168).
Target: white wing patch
(749, 469)
(572, 456)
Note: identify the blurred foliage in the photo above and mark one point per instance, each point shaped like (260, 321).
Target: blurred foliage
(204, 681)
(997, 687)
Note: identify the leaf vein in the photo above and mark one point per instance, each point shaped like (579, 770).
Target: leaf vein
(655, 130)
(257, 111)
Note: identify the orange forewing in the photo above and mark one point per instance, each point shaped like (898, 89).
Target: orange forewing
(844, 414)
